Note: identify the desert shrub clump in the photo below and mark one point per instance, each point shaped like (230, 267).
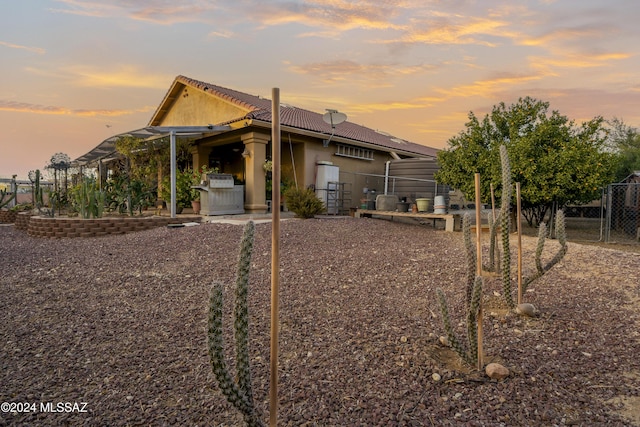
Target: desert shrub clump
(303, 202)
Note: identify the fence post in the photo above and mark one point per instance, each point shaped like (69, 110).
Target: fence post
(14, 190)
(607, 230)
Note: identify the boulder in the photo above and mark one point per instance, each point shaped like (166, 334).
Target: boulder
(496, 371)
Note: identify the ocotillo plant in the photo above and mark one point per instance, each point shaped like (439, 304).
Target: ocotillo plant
(468, 352)
(238, 394)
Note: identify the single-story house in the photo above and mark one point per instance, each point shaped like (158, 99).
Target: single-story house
(346, 157)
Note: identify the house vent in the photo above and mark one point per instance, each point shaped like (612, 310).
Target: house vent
(354, 152)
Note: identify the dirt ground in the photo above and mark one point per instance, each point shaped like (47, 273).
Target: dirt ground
(119, 323)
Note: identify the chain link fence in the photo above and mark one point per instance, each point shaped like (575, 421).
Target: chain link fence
(612, 219)
(622, 219)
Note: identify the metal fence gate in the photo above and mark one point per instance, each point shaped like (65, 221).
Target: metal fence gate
(622, 213)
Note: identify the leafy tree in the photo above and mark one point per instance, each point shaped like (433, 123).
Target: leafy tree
(554, 160)
(146, 168)
(625, 142)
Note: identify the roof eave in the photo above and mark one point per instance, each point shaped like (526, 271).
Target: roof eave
(335, 138)
(166, 103)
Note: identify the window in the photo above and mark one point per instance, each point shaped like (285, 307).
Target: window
(354, 152)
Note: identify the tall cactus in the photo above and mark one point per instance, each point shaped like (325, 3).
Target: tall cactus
(470, 252)
(37, 191)
(505, 224)
(468, 352)
(238, 394)
(494, 252)
(562, 251)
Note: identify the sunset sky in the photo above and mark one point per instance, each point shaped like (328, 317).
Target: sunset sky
(75, 72)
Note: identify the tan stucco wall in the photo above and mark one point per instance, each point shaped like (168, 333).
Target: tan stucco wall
(193, 107)
(315, 152)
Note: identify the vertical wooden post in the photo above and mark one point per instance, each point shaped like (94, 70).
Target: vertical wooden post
(275, 254)
(519, 226)
(479, 263)
(478, 225)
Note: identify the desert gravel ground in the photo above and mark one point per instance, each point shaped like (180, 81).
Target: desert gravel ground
(119, 323)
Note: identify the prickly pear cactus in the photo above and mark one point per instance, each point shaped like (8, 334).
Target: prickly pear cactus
(238, 394)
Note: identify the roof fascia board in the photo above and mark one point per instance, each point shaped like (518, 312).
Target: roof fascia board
(169, 98)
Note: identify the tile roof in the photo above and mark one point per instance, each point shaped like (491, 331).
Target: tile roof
(260, 109)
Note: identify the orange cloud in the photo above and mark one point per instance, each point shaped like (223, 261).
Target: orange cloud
(123, 76)
(171, 14)
(341, 70)
(485, 88)
(84, 8)
(577, 60)
(441, 28)
(385, 106)
(120, 76)
(333, 15)
(23, 107)
(37, 50)
(143, 10)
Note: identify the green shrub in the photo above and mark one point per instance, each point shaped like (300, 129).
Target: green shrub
(184, 193)
(304, 203)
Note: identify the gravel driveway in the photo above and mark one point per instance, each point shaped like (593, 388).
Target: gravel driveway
(115, 328)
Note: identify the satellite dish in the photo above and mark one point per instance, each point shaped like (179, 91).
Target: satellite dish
(334, 117)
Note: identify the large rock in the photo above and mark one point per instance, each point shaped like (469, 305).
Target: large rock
(527, 309)
(496, 371)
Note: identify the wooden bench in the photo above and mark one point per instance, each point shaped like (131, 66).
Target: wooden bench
(453, 222)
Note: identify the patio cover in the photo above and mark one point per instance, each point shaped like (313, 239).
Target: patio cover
(108, 147)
